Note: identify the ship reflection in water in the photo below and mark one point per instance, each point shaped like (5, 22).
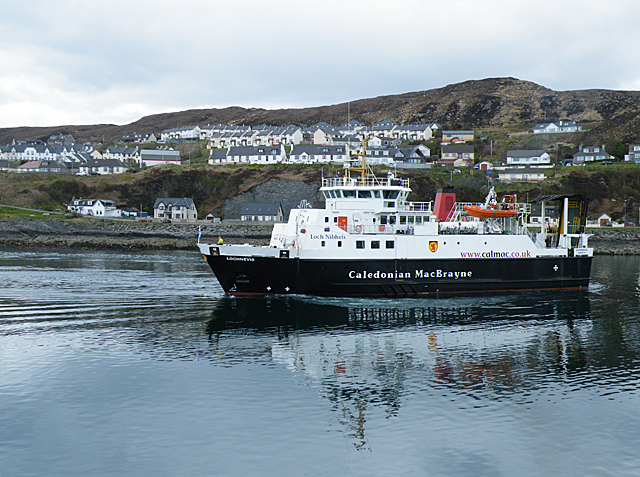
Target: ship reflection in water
(370, 355)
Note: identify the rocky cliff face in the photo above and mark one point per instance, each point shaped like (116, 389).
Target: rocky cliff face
(493, 102)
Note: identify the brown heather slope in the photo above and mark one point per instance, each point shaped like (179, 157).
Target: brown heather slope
(487, 103)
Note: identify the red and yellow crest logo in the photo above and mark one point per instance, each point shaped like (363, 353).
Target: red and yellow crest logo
(433, 246)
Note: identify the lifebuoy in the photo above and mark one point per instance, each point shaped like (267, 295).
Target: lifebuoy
(303, 231)
(358, 228)
(381, 228)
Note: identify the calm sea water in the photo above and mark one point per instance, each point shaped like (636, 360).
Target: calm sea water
(116, 364)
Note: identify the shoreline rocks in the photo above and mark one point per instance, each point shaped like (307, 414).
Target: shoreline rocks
(122, 234)
(112, 234)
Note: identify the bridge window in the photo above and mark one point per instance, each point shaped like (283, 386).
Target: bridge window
(364, 194)
(349, 194)
(392, 220)
(327, 194)
(418, 220)
(377, 194)
(403, 220)
(390, 194)
(410, 219)
(383, 220)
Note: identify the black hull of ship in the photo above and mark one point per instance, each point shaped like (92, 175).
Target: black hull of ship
(375, 278)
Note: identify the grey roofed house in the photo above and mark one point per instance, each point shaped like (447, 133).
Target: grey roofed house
(262, 211)
(458, 149)
(178, 202)
(57, 139)
(253, 150)
(316, 149)
(217, 156)
(524, 152)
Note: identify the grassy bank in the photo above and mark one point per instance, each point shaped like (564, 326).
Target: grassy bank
(613, 189)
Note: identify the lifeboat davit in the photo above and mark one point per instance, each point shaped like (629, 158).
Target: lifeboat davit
(489, 213)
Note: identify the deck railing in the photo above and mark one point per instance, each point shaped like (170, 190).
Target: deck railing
(364, 182)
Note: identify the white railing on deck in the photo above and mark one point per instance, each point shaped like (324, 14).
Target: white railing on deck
(366, 182)
(416, 207)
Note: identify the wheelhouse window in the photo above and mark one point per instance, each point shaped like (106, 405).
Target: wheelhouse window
(349, 194)
(390, 194)
(327, 194)
(392, 220)
(364, 194)
(377, 194)
(359, 243)
(410, 219)
(403, 220)
(418, 220)
(383, 220)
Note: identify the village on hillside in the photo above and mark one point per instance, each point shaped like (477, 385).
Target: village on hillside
(387, 143)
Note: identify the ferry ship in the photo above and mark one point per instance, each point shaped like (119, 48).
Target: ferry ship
(370, 241)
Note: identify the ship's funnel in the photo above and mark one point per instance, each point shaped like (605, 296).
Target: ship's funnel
(444, 204)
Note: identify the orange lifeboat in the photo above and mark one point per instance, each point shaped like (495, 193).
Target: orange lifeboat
(506, 208)
(490, 213)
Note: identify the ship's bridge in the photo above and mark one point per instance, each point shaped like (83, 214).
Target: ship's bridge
(365, 193)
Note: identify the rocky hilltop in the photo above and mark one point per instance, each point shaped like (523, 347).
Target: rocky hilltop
(493, 102)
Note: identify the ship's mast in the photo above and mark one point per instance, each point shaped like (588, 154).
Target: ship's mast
(364, 169)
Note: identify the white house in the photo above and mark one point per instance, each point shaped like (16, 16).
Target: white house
(180, 209)
(256, 154)
(560, 127)
(590, 154)
(103, 166)
(633, 154)
(413, 132)
(95, 208)
(128, 155)
(184, 132)
(533, 157)
(30, 152)
(312, 154)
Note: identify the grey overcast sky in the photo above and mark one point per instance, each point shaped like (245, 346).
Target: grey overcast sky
(87, 62)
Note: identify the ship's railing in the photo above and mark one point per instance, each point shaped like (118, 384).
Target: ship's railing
(364, 182)
(458, 213)
(416, 207)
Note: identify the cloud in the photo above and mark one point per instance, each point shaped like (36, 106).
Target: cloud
(94, 62)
